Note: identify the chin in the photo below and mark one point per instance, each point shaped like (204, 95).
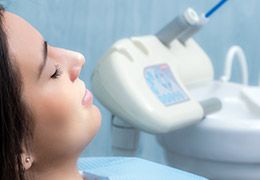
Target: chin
(93, 125)
(96, 118)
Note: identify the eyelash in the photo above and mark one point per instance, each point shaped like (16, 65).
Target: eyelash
(57, 72)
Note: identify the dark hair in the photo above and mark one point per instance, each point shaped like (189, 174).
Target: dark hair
(15, 123)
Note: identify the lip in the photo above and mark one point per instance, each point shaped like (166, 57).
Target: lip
(87, 99)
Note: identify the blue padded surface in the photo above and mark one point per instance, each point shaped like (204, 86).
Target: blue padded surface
(123, 168)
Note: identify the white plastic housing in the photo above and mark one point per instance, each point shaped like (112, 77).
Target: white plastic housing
(118, 82)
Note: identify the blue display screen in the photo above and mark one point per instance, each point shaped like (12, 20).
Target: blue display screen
(163, 84)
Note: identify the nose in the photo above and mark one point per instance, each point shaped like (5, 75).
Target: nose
(76, 65)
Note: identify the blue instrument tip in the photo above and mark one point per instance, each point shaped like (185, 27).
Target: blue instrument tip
(215, 8)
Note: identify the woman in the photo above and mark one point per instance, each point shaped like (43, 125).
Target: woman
(47, 115)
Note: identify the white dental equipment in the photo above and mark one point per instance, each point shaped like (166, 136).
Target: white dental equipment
(232, 52)
(143, 80)
(223, 146)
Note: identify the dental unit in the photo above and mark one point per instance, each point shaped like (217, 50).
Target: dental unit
(164, 84)
(143, 80)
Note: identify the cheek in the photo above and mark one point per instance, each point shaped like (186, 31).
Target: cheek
(54, 107)
(59, 104)
(55, 115)
(62, 123)
(55, 112)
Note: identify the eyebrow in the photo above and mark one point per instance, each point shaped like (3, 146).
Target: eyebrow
(44, 55)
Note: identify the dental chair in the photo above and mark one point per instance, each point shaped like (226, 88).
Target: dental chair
(123, 168)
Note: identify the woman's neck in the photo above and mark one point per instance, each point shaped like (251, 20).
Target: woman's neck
(64, 170)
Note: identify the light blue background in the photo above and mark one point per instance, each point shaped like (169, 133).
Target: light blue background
(91, 27)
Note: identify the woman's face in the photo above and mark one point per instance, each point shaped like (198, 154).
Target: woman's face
(53, 91)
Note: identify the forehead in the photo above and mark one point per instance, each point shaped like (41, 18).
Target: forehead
(25, 43)
(20, 32)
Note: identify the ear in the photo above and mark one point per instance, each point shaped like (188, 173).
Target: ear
(27, 161)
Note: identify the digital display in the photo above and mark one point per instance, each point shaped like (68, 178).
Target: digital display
(163, 84)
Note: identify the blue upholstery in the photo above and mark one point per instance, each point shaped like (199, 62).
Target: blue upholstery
(123, 168)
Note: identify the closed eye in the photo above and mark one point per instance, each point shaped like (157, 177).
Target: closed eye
(57, 72)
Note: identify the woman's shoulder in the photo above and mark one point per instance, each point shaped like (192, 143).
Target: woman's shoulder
(130, 168)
